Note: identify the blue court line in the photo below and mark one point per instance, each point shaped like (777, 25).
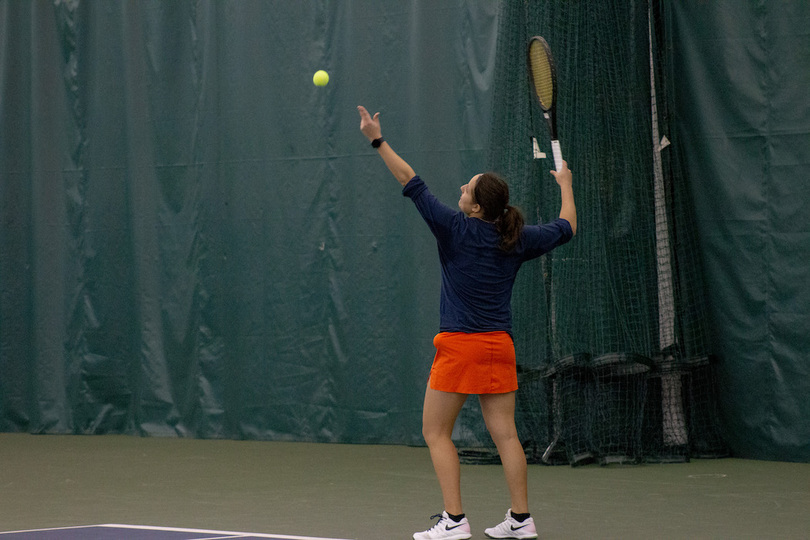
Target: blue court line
(136, 532)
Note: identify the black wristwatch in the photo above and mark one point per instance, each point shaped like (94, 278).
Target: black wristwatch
(377, 142)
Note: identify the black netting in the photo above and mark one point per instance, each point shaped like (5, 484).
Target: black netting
(612, 326)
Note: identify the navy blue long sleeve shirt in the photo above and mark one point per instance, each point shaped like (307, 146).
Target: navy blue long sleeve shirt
(477, 276)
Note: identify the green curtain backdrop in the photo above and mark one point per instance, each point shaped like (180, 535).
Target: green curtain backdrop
(197, 241)
(740, 76)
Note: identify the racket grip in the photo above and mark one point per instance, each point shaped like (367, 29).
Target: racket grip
(558, 160)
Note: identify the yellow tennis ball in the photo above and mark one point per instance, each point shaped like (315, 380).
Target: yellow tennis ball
(321, 78)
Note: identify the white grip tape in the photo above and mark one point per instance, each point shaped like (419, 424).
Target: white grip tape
(558, 160)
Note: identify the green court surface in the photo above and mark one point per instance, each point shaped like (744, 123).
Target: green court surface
(368, 492)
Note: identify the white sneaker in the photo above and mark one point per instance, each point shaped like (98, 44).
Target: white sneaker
(446, 529)
(512, 528)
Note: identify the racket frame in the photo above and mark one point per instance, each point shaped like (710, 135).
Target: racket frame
(550, 111)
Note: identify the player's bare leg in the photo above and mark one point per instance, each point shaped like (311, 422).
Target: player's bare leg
(438, 417)
(499, 415)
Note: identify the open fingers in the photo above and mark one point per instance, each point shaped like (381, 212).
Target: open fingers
(363, 113)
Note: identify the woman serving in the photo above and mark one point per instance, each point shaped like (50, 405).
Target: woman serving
(481, 248)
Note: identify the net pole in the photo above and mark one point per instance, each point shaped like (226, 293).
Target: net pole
(673, 420)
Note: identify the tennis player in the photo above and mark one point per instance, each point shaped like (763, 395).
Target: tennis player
(481, 248)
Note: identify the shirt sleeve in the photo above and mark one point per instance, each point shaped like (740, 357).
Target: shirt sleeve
(438, 216)
(539, 239)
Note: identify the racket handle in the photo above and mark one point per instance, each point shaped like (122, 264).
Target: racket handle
(558, 160)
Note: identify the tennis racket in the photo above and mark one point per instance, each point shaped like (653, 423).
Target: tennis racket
(543, 73)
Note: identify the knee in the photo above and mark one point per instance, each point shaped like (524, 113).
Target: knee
(430, 435)
(504, 435)
(434, 435)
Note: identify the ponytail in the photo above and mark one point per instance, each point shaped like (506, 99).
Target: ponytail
(492, 194)
(509, 226)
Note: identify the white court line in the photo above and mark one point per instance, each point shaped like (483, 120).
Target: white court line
(227, 534)
(230, 534)
(49, 529)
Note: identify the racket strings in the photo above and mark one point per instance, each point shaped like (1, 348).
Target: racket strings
(542, 74)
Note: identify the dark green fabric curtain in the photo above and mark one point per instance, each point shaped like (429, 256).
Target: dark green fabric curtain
(196, 241)
(740, 75)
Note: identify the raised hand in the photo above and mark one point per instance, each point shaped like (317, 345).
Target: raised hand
(368, 125)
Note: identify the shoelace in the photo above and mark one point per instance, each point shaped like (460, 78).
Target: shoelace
(434, 516)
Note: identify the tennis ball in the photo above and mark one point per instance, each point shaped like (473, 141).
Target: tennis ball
(321, 78)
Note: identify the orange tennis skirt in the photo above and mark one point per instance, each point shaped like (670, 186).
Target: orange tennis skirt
(479, 363)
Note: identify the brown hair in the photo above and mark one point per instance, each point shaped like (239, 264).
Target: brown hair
(492, 194)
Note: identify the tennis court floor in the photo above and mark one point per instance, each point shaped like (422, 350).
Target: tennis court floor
(55, 486)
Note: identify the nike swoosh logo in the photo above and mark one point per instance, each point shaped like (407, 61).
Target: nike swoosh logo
(449, 528)
(518, 528)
